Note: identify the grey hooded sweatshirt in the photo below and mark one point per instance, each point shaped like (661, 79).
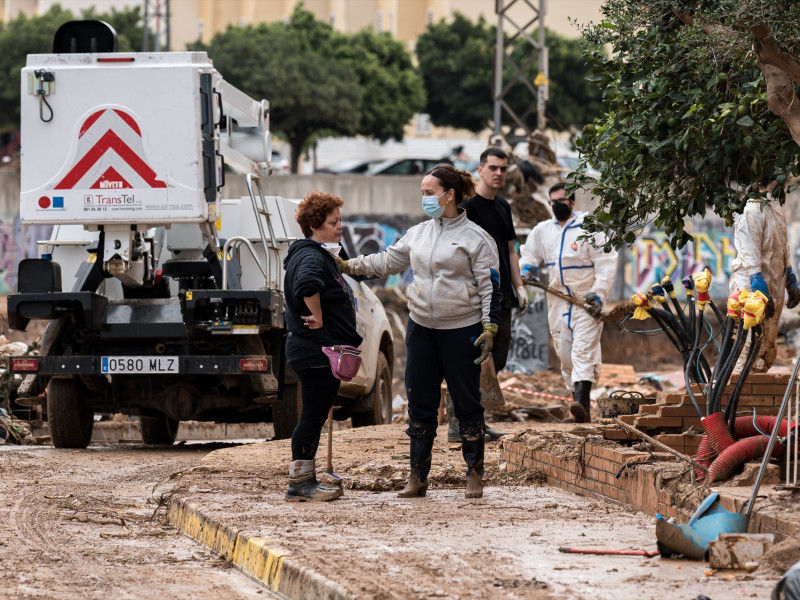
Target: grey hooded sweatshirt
(454, 264)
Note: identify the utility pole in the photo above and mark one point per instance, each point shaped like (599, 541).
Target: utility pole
(156, 25)
(532, 32)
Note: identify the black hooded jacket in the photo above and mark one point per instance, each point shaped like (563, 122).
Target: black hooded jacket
(310, 269)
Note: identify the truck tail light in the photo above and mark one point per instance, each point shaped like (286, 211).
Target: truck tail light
(24, 364)
(253, 364)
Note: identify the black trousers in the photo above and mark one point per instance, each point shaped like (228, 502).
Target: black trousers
(502, 340)
(318, 389)
(433, 355)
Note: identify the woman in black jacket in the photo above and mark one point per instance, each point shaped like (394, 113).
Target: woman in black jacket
(320, 311)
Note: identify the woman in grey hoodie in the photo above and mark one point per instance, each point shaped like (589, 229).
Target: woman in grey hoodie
(454, 306)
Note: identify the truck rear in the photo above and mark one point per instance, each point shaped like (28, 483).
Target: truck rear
(151, 311)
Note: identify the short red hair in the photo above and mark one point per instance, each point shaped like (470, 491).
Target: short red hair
(314, 209)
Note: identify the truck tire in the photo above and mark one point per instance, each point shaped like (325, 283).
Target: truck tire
(286, 412)
(160, 430)
(70, 423)
(380, 398)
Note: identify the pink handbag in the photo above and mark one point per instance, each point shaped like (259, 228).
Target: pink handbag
(345, 361)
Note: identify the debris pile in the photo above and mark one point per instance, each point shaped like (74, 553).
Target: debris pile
(528, 181)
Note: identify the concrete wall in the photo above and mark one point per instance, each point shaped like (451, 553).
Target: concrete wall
(378, 210)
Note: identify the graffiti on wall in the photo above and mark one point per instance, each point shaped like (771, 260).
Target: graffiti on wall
(530, 339)
(369, 238)
(651, 258)
(17, 242)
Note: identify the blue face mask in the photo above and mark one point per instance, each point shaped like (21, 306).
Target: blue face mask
(430, 204)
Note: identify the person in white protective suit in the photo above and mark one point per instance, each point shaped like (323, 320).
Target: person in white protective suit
(762, 263)
(581, 270)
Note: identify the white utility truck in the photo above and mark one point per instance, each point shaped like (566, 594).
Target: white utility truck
(164, 300)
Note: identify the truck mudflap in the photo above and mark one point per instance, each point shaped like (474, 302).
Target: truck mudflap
(142, 365)
(87, 307)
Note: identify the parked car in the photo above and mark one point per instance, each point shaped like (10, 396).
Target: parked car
(350, 165)
(280, 166)
(414, 166)
(402, 166)
(569, 161)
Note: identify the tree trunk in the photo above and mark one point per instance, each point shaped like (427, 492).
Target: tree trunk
(296, 144)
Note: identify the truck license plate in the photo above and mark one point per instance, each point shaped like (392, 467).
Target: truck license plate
(139, 364)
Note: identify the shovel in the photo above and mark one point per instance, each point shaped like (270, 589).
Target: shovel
(612, 316)
(330, 449)
(491, 394)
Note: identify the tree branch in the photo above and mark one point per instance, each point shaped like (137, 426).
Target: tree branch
(770, 53)
(781, 98)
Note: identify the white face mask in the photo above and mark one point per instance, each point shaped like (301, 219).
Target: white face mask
(333, 249)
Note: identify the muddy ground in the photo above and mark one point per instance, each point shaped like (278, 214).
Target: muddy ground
(79, 524)
(504, 545)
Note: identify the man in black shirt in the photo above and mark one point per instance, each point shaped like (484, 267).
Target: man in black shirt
(493, 214)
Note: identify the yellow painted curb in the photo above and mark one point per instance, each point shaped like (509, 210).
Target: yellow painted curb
(257, 557)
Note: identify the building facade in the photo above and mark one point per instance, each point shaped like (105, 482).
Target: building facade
(404, 19)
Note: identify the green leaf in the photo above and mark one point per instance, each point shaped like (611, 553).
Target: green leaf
(745, 121)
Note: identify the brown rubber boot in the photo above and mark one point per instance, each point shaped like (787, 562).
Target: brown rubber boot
(303, 485)
(473, 451)
(421, 452)
(414, 488)
(474, 485)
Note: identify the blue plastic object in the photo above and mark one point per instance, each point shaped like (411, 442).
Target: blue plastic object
(692, 540)
(531, 270)
(594, 300)
(758, 284)
(791, 278)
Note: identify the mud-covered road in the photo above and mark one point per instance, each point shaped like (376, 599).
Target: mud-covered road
(78, 524)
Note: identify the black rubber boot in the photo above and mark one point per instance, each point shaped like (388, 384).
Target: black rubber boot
(473, 452)
(452, 422)
(417, 486)
(580, 408)
(303, 485)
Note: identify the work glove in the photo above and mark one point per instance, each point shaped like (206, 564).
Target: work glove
(342, 265)
(792, 288)
(530, 272)
(485, 341)
(595, 304)
(757, 284)
(522, 300)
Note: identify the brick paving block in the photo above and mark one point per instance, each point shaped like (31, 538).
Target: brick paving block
(680, 410)
(758, 401)
(759, 378)
(673, 398)
(653, 422)
(782, 378)
(617, 434)
(692, 422)
(649, 409)
(769, 390)
(663, 456)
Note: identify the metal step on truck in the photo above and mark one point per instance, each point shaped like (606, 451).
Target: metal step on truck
(163, 299)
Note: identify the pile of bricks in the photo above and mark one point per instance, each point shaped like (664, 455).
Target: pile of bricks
(674, 421)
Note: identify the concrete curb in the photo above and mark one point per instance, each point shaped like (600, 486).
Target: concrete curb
(259, 558)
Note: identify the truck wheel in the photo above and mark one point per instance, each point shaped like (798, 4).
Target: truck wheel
(160, 430)
(70, 423)
(286, 412)
(380, 398)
